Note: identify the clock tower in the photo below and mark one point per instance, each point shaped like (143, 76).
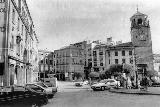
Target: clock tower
(140, 30)
(141, 39)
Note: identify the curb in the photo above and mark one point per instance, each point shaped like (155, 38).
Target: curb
(135, 93)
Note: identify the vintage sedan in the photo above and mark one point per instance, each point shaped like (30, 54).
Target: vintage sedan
(105, 84)
(41, 87)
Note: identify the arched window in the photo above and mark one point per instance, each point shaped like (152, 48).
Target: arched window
(139, 21)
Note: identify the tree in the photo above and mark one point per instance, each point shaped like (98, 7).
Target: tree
(128, 69)
(102, 75)
(151, 73)
(78, 75)
(108, 73)
(115, 69)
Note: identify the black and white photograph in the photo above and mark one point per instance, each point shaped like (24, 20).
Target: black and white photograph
(79, 53)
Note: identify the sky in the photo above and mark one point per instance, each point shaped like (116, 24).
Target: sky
(59, 23)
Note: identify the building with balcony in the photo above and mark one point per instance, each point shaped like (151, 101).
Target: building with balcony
(19, 44)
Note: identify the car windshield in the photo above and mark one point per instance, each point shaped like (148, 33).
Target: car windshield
(41, 84)
(110, 81)
(49, 84)
(34, 87)
(103, 81)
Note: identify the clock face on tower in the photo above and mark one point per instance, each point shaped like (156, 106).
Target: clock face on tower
(142, 35)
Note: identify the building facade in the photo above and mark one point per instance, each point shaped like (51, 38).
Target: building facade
(120, 54)
(45, 63)
(19, 44)
(68, 61)
(99, 58)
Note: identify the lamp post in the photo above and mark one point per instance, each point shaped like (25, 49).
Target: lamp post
(135, 66)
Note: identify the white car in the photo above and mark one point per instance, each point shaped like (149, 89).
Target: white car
(105, 84)
(50, 85)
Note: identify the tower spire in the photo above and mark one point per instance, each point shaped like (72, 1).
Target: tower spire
(137, 7)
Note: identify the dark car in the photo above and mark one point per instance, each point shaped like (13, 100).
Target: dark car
(21, 95)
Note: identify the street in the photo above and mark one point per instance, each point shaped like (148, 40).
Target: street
(70, 96)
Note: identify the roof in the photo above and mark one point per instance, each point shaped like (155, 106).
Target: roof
(138, 14)
(127, 45)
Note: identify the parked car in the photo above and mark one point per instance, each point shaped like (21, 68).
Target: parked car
(155, 84)
(85, 82)
(40, 87)
(79, 84)
(50, 85)
(21, 95)
(105, 84)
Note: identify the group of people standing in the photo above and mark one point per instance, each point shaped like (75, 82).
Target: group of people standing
(129, 83)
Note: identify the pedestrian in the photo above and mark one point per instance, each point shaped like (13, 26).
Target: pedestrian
(129, 84)
(139, 85)
(146, 82)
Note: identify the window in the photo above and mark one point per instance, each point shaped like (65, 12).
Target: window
(46, 61)
(18, 24)
(131, 61)
(109, 61)
(123, 53)
(95, 59)
(100, 53)
(123, 60)
(101, 64)
(139, 21)
(116, 61)
(130, 52)
(108, 54)
(94, 53)
(22, 30)
(12, 42)
(19, 5)
(116, 53)
(13, 16)
(95, 63)
(41, 61)
(51, 62)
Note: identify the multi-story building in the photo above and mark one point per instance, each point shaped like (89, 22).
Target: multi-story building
(19, 44)
(99, 57)
(68, 61)
(45, 63)
(120, 54)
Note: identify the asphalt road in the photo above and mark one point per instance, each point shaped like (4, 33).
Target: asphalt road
(70, 96)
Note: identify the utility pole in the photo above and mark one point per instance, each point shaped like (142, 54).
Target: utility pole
(6, 78)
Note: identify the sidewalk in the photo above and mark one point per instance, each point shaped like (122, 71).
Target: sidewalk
(151, 91)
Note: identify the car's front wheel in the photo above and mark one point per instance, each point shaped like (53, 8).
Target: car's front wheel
(102, 88)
